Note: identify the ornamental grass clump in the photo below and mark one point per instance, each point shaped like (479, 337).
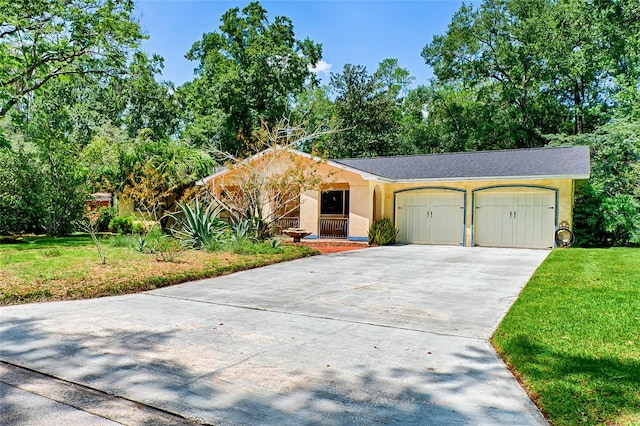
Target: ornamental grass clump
(382, 232)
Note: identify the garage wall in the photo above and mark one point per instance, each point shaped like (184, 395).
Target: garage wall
(564, 189)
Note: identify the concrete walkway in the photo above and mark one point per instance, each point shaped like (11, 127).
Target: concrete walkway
(380, 335)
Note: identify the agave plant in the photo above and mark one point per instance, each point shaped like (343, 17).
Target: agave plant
(197, 226)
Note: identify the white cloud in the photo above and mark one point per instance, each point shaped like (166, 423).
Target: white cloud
(321, 67)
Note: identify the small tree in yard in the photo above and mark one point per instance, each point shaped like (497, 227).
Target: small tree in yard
(89, 224)
(266, 187)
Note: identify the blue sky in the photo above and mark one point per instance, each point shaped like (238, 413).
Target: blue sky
(351, 32)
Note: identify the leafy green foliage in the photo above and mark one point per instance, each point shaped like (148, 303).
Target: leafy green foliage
(253, 248)
(104, 217)
(247, 74)
(366, 111)
(242, 231)
(121, 225)
(607, 210)
(158, 173)
(198, 226)
(383, 232)
(530, 68)
(604, 221)
(166, 248)
(21, 185)
(621, 215)
(64, 193)
(42, 40)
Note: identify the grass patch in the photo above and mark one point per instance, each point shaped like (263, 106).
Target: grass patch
(69, 268)
(573, 337)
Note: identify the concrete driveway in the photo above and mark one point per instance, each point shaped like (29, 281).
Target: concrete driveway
(380, 335)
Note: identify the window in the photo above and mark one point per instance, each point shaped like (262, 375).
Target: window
(335, 203)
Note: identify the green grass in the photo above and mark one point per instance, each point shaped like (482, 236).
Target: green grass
(69, 268)
(573, 337)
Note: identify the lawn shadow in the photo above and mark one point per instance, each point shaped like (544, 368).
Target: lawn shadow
(44, 242)
(591, 388)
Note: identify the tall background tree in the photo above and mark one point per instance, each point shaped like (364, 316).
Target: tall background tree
(248, 73)
(41, 40)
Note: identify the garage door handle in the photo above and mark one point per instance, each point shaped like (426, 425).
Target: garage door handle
(510, 215)
(514, 214)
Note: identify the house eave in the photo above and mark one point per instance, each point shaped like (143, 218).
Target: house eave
(363, 174)
(492, 178)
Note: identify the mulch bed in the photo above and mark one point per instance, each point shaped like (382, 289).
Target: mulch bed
(325, 247)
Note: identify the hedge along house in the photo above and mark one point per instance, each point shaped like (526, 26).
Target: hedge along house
(508, 198)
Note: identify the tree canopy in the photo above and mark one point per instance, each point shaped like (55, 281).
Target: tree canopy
(41, 40)
(248, 73)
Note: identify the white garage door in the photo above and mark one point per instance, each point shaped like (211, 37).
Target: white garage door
(430, 218)
(518, 219)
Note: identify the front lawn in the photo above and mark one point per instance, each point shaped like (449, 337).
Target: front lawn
(43, 269)
(573, 337)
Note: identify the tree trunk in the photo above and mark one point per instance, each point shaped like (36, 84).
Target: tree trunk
(577, 105)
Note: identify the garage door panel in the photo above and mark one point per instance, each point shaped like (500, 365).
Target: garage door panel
(447, 223)
(493, 213)
(417, 226)
(515, 219)
(535, 220)
(430, 218)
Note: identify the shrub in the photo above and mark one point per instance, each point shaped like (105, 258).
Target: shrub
(166, 249)
(603, 221)
(105, 215)
(121, 225)
(121, 240)
(243, 230)
(382, 232)
(197, 226)
(138, 228)
(621, 220)
(21, 187)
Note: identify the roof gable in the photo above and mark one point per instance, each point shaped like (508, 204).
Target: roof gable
(570, 162)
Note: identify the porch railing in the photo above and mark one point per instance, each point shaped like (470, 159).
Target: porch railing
(286, 223)
(333, 227)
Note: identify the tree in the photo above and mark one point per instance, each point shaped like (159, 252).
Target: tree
(149, 104)
(41, 40)
(539, 66)
(64, 193)
(21, 187)
(248, 73)
(499, 51)
(367, 111)
(266, 187)
(314, 108)
(607, 210)
(159, 173)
